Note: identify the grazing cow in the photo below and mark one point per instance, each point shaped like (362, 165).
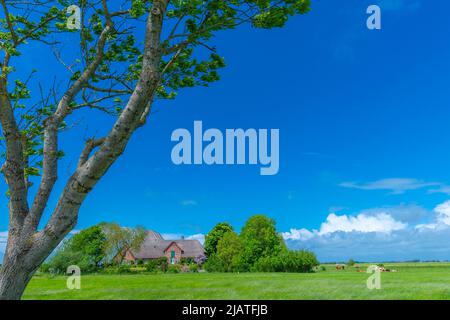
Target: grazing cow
(340, 267)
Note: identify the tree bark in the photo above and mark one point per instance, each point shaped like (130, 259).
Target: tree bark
(14, 278)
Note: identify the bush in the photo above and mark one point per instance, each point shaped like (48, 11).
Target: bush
(156, 265)
(84, 249)
(351, 262)
(287, 261)
(186, 260)
(44, 268)
(174, 268)
(213, 264)
(193, 267)
(111, 270)
(122, 269)
(200, 259)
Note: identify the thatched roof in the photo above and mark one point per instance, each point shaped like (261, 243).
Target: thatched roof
(154, 246)
(152, 235)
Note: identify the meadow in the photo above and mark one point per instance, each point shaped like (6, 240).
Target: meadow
(411, 281)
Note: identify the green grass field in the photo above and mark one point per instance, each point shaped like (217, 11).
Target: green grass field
(411, 281)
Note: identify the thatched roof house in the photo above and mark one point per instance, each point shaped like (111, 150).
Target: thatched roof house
(154, 247)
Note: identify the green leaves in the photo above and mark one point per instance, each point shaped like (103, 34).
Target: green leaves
(85, 249)
(277, 16)
(138, 8)
(187, 54)
(214, 236)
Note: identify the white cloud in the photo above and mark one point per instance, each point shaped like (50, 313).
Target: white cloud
(176, 236)
(394, 185)
(298, 234)
(379, 234)
(369, 221)
(443, 213)
(199, 236)
(381, 222)
(442, 217)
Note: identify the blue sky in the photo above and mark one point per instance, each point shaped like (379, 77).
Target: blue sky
(363, 118)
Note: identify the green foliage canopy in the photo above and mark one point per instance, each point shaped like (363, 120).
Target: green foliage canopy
(260, 239)
(85, 249)
(229, 250)
(120, 239)
(214, 236)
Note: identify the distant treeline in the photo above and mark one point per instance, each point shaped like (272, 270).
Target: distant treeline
(258, 248)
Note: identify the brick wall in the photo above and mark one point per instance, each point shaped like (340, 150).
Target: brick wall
(168, 253)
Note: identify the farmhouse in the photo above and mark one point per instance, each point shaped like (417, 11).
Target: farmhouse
(154, 247)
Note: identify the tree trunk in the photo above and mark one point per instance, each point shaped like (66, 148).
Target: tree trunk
(25, 254)
(14, 277)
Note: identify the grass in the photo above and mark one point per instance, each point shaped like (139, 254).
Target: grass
(411, 281)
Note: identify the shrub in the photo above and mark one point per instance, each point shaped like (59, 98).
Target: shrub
(193, 267)
(185, 268)
(287, 261)
(200, 259)
(45, 268)
(213, 264)
(174, 268)
(351, 262)
(186, 260)
(123, 268)
(163, 264)
(156, 265)
(111, 270)
(84, 249)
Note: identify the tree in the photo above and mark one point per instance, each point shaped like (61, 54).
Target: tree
(260, 239)
(85, 249)
(229, 250)
(213, 237)
(119, 240)
(129, 55)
